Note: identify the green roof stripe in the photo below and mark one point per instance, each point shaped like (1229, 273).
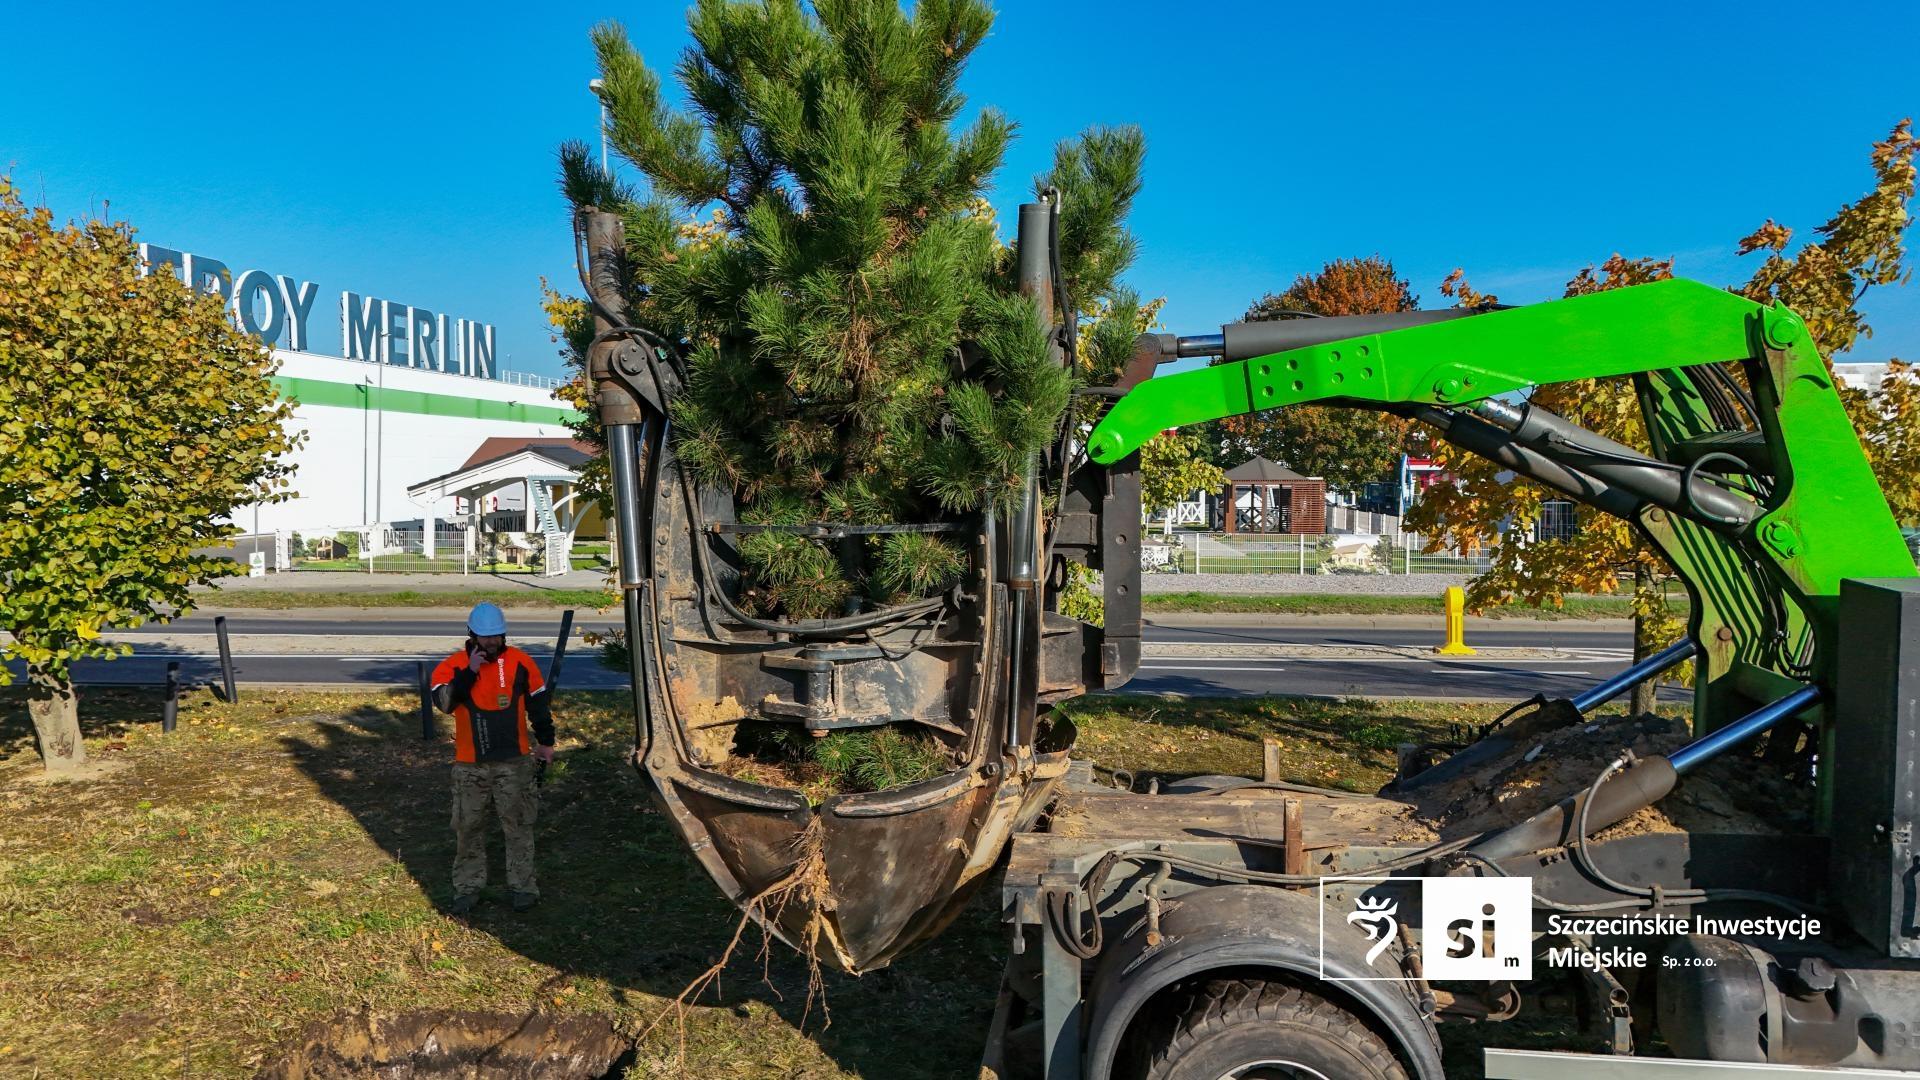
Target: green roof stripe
(387, 399)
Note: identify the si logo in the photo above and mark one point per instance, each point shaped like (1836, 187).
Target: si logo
(1477, 928)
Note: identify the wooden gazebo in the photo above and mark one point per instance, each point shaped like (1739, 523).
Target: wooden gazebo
(1277, 500)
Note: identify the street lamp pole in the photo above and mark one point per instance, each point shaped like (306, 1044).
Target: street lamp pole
(599, 89)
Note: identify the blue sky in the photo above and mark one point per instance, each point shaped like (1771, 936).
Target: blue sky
(405, 151)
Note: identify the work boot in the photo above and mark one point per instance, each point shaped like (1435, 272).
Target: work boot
(524, 901)
(463, 903)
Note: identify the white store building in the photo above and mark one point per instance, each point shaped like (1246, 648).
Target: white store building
(371, 431)
(410, 394)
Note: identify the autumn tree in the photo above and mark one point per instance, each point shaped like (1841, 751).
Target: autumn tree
(812, 227)
(1348, 447)
(134, 420)
(1863, 246)
(1173, 465)
(1860, 247)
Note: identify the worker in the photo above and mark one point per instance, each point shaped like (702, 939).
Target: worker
(494, 692)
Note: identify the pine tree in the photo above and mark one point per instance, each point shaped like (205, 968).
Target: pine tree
(813, 230)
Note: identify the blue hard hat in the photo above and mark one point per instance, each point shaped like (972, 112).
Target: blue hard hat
(486, 620)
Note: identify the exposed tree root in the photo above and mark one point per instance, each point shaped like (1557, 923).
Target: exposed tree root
(806, 884)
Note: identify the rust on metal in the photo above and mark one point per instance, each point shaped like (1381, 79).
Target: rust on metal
(1294, 836)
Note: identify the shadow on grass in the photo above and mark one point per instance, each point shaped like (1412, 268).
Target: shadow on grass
(621, 900)
(107, 714)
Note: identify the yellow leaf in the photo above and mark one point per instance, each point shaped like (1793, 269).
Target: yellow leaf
(215, 891)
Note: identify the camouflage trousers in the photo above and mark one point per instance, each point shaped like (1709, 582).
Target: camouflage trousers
(509, 787)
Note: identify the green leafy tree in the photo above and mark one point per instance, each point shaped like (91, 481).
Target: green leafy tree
(813, 229)
(1860, 247)
(134, 419)
(1347, 447)
(573, 330)
(1174, 465)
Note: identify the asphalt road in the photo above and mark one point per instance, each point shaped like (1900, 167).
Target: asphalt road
(1585, 656)
(1581, 655)
(332, 657)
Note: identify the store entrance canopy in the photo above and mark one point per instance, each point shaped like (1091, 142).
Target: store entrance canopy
(547, 469)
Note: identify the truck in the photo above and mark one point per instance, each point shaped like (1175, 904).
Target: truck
(1241, 927)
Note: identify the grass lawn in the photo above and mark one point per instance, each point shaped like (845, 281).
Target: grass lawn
(191, 908)
(1340, 744)
(1575, 607)
(418, 564)
(274, 599)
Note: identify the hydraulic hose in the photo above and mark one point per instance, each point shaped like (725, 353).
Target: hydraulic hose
(1476, 436)
(1661, 483)
(1618, 794)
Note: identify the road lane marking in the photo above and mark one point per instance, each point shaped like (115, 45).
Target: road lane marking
(1172, 667)
(1532, 661)
(1472, 671)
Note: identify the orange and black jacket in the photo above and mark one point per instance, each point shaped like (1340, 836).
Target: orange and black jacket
(493, 706)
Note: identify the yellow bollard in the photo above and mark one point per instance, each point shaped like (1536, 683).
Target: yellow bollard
(1456, 625)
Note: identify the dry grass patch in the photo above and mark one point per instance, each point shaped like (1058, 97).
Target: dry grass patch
(1342, 744)
(284, 861)
(277, 862)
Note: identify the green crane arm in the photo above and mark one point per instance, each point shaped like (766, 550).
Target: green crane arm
(1761, 552)
(1618, 332)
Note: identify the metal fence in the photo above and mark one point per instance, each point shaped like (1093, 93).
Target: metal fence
(527, 378)
(1220, 553)
(399, 548)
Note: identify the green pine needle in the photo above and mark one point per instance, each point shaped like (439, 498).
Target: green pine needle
(813, 227)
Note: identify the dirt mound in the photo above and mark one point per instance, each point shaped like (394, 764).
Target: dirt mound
(1552, 753)
(436, 1043)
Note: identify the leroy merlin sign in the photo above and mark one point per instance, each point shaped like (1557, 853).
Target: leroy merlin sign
(278, 310)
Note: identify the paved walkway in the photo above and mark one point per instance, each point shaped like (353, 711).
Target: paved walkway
(1257, 584)
(1316, 584)
(356, 581)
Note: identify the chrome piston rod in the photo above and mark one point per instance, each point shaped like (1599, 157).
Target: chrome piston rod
(1659, 662)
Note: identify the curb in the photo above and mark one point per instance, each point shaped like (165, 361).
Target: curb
(1382, 622)
(390, 613)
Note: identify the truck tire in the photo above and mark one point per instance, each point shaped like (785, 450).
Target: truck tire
(1251, 1029)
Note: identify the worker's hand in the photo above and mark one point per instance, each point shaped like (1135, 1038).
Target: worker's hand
(541, 753)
